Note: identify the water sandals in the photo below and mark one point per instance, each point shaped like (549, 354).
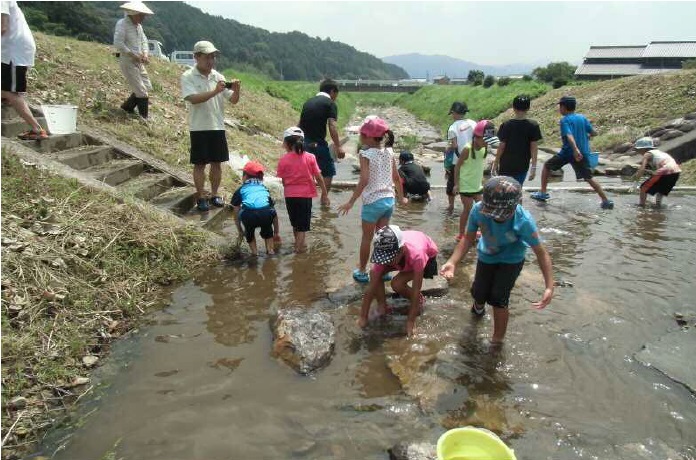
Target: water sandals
(387, 277)
(361, 277)
(217, 202)
(607, 204)
(202, 205)
(540, 196)
(32, 135)
(478, 311)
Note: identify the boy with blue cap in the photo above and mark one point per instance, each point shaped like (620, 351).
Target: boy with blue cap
(507, 229)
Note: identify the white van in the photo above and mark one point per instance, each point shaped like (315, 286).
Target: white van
(183, 58)
(156, 49)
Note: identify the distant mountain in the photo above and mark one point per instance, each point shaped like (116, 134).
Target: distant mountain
(178, 26)
(420, 65)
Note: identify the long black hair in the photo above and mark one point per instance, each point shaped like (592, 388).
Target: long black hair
(296, 144)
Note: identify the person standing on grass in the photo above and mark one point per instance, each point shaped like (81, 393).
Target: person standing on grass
(468, 172)
(519, 138)
(506, 231)
(131, 45)
(318, 113)
(205, 91)
(18, 51)
(378, 178)
(300, 175)
(664, 174)
(414, 255)
(576, 131)
(459, 134)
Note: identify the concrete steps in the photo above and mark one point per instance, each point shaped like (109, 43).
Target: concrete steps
(119, 167)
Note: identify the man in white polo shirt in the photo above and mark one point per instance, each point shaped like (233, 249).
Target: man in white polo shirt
(18, 50)
(205, 90)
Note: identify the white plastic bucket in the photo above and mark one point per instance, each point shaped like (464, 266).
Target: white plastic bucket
(61, 119)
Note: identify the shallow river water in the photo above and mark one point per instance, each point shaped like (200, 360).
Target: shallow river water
(200, 383)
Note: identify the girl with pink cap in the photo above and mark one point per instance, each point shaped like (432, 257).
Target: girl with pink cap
(378, 178)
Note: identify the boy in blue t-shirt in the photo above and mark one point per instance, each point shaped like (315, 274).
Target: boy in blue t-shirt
(254, 207)
(576, 131)
(506, 231)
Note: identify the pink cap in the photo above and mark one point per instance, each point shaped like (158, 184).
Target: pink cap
(374, 127)
(480, 128)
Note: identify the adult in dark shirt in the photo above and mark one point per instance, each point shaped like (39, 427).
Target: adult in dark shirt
(317, 113)
(413, 177)
(519, 137)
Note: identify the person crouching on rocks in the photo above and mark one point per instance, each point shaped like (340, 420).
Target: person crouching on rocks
(506, 231)
(254, 208)
(413, 178)
(411, 253)
(665, 172)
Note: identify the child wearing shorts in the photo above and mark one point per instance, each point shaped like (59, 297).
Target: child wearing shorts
(254, 208)
(664, 175)
(507, 229)
(378, 178)
(413, 178)
(414, 255)
(300, 174)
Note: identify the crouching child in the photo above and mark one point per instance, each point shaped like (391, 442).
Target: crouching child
(411, 253)
(506, 231)
(415, 184)
(254, 208)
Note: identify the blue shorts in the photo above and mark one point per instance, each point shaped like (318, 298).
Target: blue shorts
(320, 149)
(519, 177)
(382, 208)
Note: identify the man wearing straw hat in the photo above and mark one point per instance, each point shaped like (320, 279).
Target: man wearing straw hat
(131, 43)
(18, 50)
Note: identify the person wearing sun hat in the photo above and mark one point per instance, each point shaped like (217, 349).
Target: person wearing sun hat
(254, 208)
(507, 229)
(664, 172)
(131, 45)
(411, 253)
(205, 91)
(379, 178)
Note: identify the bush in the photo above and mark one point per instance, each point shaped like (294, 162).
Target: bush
(504, 81)
(488, 81)
(527, 78)
(689, 64)
(559, 82)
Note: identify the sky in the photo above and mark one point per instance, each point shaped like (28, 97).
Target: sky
(484, 32)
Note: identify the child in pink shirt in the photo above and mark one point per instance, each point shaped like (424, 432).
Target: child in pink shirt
(300, 174)
(413, 254)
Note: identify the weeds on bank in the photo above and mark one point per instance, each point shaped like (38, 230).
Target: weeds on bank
(78, 269)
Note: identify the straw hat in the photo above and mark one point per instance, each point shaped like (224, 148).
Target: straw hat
(135, 8)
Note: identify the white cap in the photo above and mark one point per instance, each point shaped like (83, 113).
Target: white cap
(293, 131)
(133, 8)
(644, 143)
(204, 47)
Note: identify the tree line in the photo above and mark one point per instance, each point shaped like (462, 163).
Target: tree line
(556, 73)
(288, 56)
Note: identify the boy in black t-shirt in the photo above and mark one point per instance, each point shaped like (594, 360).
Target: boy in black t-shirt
(413, 177)
(519, 137)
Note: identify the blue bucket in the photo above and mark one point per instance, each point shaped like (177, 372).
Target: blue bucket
(593, 159)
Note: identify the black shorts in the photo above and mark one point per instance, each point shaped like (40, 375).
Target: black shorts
(251, 219)
(209, 147)
(582, 168)
(14, 78)
(299, 212)
(493, 283)
(320, 150)
(659, 184)
(449, 188)
(430, 269)
(412, 187)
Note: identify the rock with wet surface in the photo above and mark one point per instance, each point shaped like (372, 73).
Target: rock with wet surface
(413, 451)
(673, 355)
(304, 339)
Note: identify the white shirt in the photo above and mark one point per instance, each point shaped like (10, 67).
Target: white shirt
(208, 115)
(129, 37)
(380, 183)
(463, 130)
(18, 44)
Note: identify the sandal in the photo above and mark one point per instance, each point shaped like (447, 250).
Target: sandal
(361, 277)
(217, 201)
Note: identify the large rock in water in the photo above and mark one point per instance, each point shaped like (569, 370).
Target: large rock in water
(413, 451)
(304, 339)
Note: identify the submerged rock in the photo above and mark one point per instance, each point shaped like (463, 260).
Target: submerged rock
(304, 339)
(672, 355)
(413, 451)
